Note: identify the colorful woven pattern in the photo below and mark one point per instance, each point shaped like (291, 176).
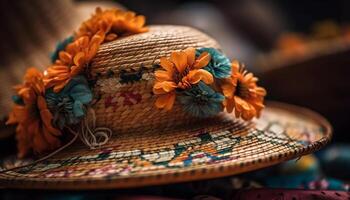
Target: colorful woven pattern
(212, 148)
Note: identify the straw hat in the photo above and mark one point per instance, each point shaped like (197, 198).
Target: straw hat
(127, 141)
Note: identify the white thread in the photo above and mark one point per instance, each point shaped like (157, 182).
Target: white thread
(45, 157)
(90, 135)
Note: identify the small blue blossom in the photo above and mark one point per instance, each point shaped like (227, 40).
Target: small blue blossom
(60, 47)
(67, 106)
(219, 65)
(201, 100)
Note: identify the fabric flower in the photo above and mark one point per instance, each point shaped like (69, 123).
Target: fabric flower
(34, 132)
(114, 23)
(201, 100)
(73, 61)
(67, 106)
(180, 72)
(219, 65)
(60, 47)
(242, 93)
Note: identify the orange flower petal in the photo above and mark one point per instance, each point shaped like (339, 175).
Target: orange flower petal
(92, 51)
(195, 76)
(12, 118)
(65, 57)
(79, 59)
(111, 37)
(164, 87)
(260, 91)
(244, 109)
(162, 75)
(167, 65)
(57, 69)
(53, 141)
(83, 42)
(18, 115)
(180, 60)
(202, 60)
(228, 89)
(166, 101)
(140, 21)
(75, 70)
(31, 73)
(39, 142)
(191, 55)
(229, 104)
(46, 116)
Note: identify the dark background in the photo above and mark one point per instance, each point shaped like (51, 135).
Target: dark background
(247, 30)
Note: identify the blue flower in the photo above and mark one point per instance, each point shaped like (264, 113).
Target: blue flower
(201, 100)
(219, 65)
(17, 100)
(67, 106)
(60, 47)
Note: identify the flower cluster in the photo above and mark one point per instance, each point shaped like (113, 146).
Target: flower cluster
(72, 61)
(242, 93)
(181, 71)
(103, 26)
(205, 82)
(48, 102)
(114, 23)
(34, 132)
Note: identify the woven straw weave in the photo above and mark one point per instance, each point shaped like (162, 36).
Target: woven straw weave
(129, 54)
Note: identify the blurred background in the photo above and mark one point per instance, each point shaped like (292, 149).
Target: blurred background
(299, 49)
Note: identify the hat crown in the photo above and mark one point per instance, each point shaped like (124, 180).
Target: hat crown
(124, 74)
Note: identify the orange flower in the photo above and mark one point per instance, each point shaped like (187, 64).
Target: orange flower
(242, 93)
(34, 130)
(103, 26)
(72, 61)
(114, 22)
(181, 71)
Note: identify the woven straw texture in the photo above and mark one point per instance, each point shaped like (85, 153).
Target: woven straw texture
(213, 148)
(127, 104)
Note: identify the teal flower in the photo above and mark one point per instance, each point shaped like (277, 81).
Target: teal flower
(17, 100)
(219, 65)
(60, 47)
(67, 106)
(201, 100)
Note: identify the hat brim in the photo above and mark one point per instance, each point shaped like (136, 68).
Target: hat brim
(215, 148)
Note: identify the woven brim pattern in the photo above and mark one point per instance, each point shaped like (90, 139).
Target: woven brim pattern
(216, 147)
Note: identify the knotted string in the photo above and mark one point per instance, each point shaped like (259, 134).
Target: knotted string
(90, 135)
